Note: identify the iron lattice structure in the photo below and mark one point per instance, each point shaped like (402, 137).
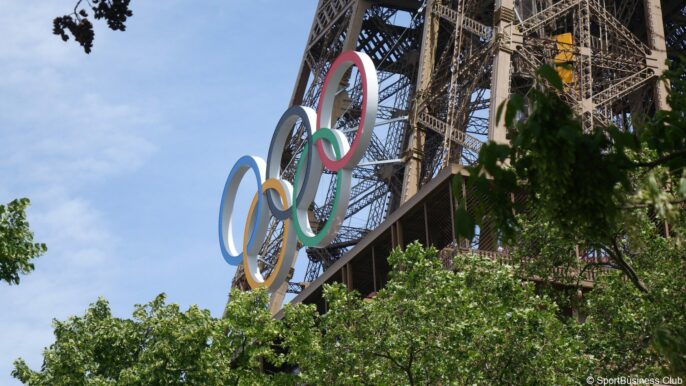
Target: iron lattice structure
(445, 66)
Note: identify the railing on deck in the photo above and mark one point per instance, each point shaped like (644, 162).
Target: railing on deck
(565, 275)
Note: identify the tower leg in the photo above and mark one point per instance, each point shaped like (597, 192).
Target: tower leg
(658, 57)
(500, 77)
(585, 107)
(415, 145)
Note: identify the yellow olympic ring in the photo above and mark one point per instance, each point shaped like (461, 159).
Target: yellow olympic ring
(250, 260)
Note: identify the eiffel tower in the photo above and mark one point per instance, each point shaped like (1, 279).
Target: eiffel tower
(444, 67)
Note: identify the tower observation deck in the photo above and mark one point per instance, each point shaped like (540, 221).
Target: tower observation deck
(444, 66)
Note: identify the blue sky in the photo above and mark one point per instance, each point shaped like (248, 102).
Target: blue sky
(124, 152)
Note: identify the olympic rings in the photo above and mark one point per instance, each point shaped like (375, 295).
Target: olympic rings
(226, 242)
(291, 203)
(370, 100)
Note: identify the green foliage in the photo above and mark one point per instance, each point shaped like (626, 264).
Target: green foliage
(479, 325)
(575, 175)
(594, 191)
(17, 249)
(115, 12)
(671, 343)
(622, 326)
(546, 253)
(665, 132)
(161, 345)
(581, 181)
(627, 333)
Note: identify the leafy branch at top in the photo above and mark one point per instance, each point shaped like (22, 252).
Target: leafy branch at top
(115, 12)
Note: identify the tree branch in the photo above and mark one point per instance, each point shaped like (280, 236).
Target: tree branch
(659, 161)
(390, 358)
(76, 7)
(408, 370)
(618, 257)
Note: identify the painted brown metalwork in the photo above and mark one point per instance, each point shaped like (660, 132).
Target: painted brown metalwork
(444, 67)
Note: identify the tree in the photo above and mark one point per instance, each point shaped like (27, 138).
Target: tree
(161, 345)
(478, 325)
(17, 248)
(634, 334)
(615, 194)
(627, 332)
(115, 13)
(589, 186)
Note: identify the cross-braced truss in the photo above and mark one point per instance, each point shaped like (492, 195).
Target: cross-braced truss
(444, 67)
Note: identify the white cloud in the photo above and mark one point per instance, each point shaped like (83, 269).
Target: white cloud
(59, 133)
(76, 225)
(92, 140)
(27, 32)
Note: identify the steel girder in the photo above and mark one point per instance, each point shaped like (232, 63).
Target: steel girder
(443, 64)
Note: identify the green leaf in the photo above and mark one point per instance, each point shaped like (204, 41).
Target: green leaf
(457, 187)
(682, 185)
(499, 112)
(464, 223)
(624, 139)
(549, 74)
(514, 104)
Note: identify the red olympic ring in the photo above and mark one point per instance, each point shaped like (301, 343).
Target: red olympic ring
(370, 91)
